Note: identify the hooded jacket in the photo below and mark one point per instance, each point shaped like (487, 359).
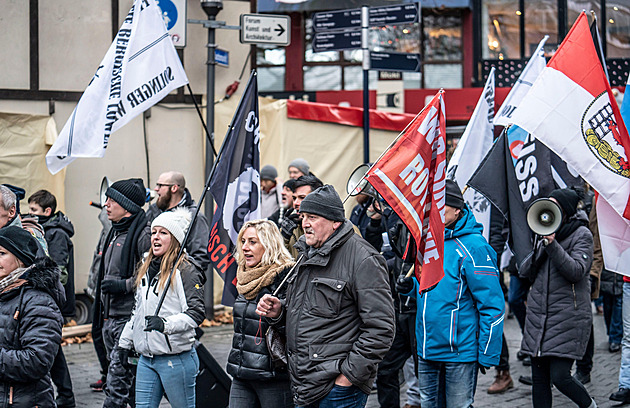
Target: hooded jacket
(182, 310)
(30, 337)
(461, 319)
(58, 231)
(339, 315)
(559, 318)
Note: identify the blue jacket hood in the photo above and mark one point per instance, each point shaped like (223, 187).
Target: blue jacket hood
(467, 224)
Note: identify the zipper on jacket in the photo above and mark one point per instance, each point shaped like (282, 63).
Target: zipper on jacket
(574, 298)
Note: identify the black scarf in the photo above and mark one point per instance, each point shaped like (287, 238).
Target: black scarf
(568, 228)
(43, 219)
(154, 268)
(130, 257)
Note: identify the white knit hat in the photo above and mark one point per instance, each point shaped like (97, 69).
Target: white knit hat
(175, 221)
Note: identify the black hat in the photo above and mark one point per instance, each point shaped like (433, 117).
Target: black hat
(130, 194)
(324, 202)
(568, 200)
(454, 197)
(20, 243)
(290, 184)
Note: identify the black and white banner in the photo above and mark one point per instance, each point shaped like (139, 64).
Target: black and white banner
(235, 187)
(140, 68)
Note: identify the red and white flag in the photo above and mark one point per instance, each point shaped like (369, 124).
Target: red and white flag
(571, 109)
(411, 177)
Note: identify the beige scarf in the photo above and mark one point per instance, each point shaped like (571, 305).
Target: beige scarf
(250, 281)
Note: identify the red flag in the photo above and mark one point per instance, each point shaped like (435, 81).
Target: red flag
(411, 178)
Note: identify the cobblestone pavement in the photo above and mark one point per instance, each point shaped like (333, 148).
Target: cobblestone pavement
(84, 370)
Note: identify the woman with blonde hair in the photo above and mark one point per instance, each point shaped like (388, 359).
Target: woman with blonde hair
(263, 262)
(168, 362)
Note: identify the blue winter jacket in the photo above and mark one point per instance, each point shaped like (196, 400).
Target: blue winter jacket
(461, 319)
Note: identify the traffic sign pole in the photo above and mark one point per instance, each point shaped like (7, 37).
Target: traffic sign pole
(365, 20)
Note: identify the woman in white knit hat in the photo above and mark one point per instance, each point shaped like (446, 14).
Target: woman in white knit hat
(168, 362)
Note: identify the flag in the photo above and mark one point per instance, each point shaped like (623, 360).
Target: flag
(471, 149)
(235, 186)
(140, 68)
(570, 108)
(411, 177)
(523, 84)
(597, 40)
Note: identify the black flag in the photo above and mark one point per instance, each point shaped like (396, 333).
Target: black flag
(235, 187)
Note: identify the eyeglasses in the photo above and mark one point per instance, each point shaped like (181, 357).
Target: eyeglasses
(160, 185)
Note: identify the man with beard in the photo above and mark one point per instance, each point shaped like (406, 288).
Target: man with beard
(172, 193)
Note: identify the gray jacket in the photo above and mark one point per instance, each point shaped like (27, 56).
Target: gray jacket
(339, 316)
(559, 317)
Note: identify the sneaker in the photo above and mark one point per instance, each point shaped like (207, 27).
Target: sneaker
(502, 382)
(97, 386)
(525, 379)
(614, 347)
(623, 395)
(583, 378)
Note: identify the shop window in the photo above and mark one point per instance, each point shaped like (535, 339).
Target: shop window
(618, 29)
(541, 18)
(270, 63)
(500, 29)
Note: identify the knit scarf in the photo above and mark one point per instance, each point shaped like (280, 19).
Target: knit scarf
(11, 278)
(250, 281)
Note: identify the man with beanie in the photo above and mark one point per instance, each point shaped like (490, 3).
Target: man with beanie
(126, 242)
(299, 167)
(339, 312)
(172, 193)
(286, 207)
(459, 325)
(270, 196)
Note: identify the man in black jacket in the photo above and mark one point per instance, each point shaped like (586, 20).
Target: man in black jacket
(339, 309)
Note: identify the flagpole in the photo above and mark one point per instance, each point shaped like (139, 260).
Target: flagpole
(441, 91)
(203, 196)
(203, 123)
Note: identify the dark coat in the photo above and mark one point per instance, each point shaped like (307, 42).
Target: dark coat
(559, 317)
(249, 358)
(58, 231)
(339, 316)
(28, 344)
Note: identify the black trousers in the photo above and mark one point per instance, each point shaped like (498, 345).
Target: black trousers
(61, 378)
(387, 380)
(585, 365)
(504, 360)
(99, 344)
(556, 370)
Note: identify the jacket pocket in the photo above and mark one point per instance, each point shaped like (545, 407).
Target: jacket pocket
(326, 296)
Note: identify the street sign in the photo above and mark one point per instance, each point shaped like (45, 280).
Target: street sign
(390, 61)
(344, 40)
(174, 15)
(379, 16)
(222, 57)
(265, 29)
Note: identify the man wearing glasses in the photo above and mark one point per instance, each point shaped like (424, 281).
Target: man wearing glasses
(172, 193)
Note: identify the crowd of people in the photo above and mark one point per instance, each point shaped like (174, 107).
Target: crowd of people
(327, 309)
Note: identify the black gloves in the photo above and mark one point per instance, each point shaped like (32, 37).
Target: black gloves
(482, 369)
(154, 323)
(288, 224)
(123, 356)
(404, 284)
(114, 286)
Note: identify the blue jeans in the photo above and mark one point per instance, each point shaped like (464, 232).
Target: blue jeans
(613, 318)
(450, 385)
(624, 370)
(342, 397)
(173, 374)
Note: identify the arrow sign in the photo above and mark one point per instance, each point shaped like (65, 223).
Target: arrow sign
(394, 61)
(265, 29)
(379, 16)
(344, 40)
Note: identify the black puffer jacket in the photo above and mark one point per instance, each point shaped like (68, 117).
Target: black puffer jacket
(249, 358)
(28, 344)
(559, 317)
(58, 230)
(339, 316)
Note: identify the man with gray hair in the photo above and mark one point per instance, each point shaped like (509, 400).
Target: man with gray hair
(339, 310)
(10, 197)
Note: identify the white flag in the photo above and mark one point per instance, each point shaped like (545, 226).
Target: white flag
(614, 235)
(534, 67)
(140, 68)
(471, 149)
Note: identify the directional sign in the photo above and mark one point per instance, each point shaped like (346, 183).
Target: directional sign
(265, 29)
(344, 40)
(390, 61)
(379, 16)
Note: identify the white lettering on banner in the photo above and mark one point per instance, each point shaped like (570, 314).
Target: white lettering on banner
(525, 167)
(419, 174)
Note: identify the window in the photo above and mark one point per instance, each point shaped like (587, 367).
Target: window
(500, 29)
(270, 63)
(541, 18)
(617, 29)
(443, 53)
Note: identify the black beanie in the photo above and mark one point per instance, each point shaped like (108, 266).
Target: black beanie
(568, 200)
(454, 197)
(130, 194)
(324, 202)
(20, 243)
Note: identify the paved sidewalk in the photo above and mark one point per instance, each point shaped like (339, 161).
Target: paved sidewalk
(84, 370)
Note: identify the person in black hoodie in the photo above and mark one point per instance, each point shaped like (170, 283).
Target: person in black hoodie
(263, 262)
(30, 320)
(58, 230)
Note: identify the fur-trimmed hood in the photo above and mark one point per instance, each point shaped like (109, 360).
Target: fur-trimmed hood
(44, 275)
